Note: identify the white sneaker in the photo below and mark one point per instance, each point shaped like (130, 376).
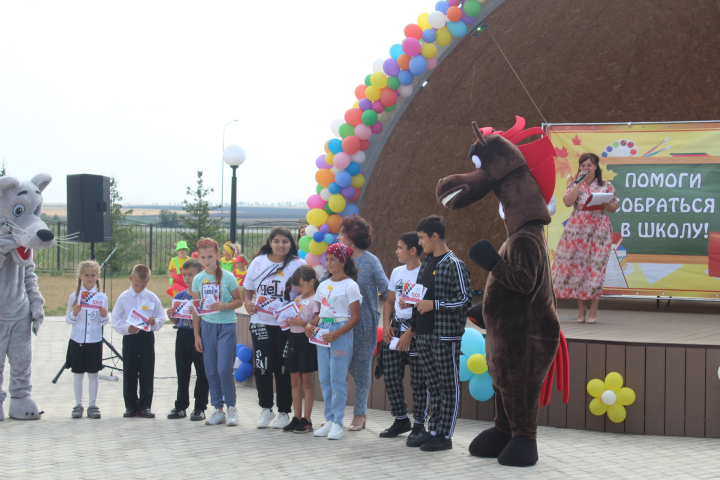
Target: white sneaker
(336, 432)
(232, 417)
(282, 420)
(324, 430)
(217, 418)
(266, 417)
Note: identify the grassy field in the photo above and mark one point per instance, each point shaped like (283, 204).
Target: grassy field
(57, 288)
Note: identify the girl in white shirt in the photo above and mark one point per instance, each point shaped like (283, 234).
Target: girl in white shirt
(84, 354)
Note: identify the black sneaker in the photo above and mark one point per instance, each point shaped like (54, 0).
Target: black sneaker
(398, 427)
(129, 413)
(177, 413)
(304, 426)
(418, 431)
(291, 426)
(197, 415)
(419, 440)
(146, 413)
(437, 443)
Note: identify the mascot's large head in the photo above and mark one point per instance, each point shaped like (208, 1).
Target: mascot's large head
(522, 177)
(20, 204)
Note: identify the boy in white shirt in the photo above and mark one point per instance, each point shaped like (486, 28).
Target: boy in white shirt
(137, 314)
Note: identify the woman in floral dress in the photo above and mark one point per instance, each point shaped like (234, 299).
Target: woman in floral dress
(584, 247)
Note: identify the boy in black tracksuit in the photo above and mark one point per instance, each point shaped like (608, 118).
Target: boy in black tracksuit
(439, 323)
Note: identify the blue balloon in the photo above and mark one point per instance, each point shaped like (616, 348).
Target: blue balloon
(418, 65)
(350, 210)
(429, 35)
(457, 29)
(318, 236)
(406, 77)
(465, 373)
(328, 238)
(245, 369)
(301, 254)
(396, 50)
(442, 6)
(335, 145)
(344, 179)
(245, 354)
(472, 342)
(334, 188)
(239, 347)
(353, 169)
(480, 387)
(239, 376)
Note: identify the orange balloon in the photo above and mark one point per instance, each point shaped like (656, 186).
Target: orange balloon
(356, 197)
(454, 14)
(360, 91)
(324, 177)
(334, 222)
(326, 147)
(353, 117)
(403, 61)
(413, 30)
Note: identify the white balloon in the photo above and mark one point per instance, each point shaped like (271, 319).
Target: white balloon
(311, 230)
(405, 90)
(325, 195)
(437, 19)
(320, 270)
(335, 126)
(358, 157)
(378, 65)
(335, 170)
(609, 397)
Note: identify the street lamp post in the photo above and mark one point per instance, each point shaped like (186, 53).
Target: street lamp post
(222, 175)
(234, 156)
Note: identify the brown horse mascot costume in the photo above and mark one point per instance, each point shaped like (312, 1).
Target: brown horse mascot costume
(519, 307)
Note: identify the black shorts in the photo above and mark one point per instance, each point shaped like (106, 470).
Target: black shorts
(84, 357)
(302, 355)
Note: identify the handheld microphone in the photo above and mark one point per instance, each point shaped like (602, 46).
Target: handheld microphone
(584, 174)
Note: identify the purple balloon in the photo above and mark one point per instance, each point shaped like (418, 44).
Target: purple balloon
(323, 261)
(391, 67)
(320, 163)
(467, 20)
(377, 128)
(365, 104)
(347, 192)
(378, 107)
(324, 229)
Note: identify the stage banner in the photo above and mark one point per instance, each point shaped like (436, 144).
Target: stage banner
(666, 238)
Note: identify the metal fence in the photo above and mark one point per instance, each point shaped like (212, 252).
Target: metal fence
(157, 240)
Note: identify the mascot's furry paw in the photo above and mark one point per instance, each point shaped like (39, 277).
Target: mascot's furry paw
(24, 408)
(490, 443)
(520, 452)
(38, 316)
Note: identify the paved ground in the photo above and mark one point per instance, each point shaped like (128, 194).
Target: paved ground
(113, 447)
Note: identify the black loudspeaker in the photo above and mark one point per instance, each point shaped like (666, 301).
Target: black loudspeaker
(88, 208)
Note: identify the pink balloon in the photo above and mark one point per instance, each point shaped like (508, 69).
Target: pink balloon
(378, 106)
(312, 259)
(316, 201)
(341, 161)
(431, 63)
(377, 128)
(363, 132)
(411, 46)
(454, 3)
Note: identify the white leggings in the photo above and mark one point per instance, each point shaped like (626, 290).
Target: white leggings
(92, 386)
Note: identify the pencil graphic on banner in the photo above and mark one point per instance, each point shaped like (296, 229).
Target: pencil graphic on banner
(660, 151)
(656, 146)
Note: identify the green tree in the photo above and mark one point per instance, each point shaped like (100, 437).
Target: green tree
(130, 251)
(168, 218)
(198, 221)
(3, 169)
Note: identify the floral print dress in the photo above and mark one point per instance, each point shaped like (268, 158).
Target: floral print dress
(584, 247)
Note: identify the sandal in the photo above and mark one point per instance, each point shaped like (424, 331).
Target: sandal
(357, 428)
(591, 319)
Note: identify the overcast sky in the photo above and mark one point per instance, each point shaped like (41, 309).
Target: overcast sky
(142, 90)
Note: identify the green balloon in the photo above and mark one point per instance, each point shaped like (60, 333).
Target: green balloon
(367, 81)
(304, 243)
(319, 189)
(390, 109)
(327, 210)
(369, 117)
(472, 8)
(346, 130)
(393, 84)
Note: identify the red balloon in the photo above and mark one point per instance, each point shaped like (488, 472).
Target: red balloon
(357, 195)
(360, 91)
(364, 145)
(353, 117)
(388, 97)
(351, 144)
(413, 30)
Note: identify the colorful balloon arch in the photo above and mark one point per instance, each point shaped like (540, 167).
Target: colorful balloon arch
(339, 174)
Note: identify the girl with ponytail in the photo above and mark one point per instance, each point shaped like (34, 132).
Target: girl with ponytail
(216, 333)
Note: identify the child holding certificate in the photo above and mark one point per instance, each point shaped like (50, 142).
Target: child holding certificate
(87, 313)
(180, 314)
(340, 300)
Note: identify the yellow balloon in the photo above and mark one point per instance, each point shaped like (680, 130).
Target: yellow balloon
(317, 248)
(626, 396)
(378, 80)
(423, 21)
(443, 37)
(316, 217)
(372, 93)
(428, 50)
(477, 363)
(616, 413)
(337, 203)
(329, 158)
(596, 406)
(595, 387)
(614, 381)
(356, 104)
(358, 181)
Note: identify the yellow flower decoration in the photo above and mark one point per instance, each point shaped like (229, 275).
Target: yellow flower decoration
(610, 397)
